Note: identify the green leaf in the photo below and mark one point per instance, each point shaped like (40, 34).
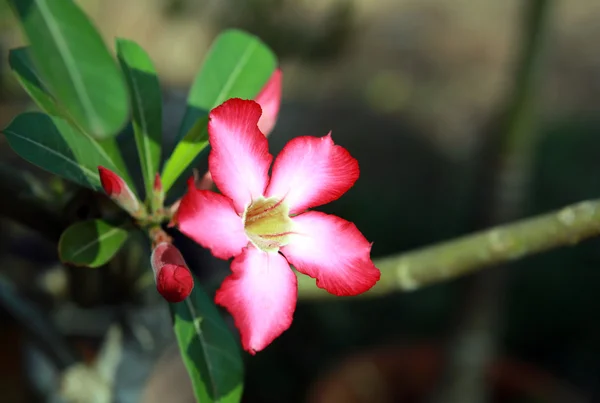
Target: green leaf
(237, 65)
(192, 144)
(20, 62)
(146, 103)
(90, 243)
(52, 144)
(75, 64)
(111, 148)
(209, 350)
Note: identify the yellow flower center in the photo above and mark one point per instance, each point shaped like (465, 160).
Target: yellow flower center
(267, 223)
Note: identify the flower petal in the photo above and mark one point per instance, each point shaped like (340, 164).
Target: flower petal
(333, 251)
(311, 171)
(270, 100)
(239, 159)
(261, 296)
(210, 219)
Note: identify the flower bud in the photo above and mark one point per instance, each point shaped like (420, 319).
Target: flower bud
(116, 188)
(158, 194)
(174, 281)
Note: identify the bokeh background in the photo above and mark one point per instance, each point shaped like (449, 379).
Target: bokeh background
(418, 91)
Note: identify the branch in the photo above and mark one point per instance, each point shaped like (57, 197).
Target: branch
(412, 270)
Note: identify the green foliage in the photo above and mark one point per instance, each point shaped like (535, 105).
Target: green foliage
(52, 144)
(237, 66)
(209, 351)
(146, 102)
(26, 73)
(186, 151)
(75, 64)
(85, 100)
(90, 243)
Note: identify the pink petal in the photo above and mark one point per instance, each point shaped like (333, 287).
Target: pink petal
(270, 100)
(261, 296)
(333, 251)
(210, 219)
(239, 159)
(311, 171)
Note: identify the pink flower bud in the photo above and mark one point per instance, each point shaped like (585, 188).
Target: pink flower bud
(158, 187)
(116, 188)
(158, 194)
(174, 281)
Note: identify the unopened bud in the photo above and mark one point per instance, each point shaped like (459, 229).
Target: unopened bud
(116, 188)
(173, 278)
(158, 194)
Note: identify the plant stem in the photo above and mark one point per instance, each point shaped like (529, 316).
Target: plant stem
(504, 243)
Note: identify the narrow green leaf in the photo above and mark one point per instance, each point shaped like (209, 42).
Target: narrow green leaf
(22, 66)
(237, 66)
(90, 243)
(192, 144)
(52, 144)
(75, 64)
(111, 148)
(20, 62)
(146, 102)
(209, 351)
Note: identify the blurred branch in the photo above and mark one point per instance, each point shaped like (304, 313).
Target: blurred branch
(503, 188)
(450, 259)
(509, 174)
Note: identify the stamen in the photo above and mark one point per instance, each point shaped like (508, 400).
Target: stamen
(267, 223)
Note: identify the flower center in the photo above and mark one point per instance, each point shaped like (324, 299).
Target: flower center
(267, 223)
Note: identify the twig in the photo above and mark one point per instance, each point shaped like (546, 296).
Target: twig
(450, 259)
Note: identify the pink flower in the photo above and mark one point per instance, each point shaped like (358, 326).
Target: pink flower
(173, 278)
(263, 223)
(269, 100)
(116, 188)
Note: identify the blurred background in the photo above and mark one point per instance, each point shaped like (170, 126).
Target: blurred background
(462, 115)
